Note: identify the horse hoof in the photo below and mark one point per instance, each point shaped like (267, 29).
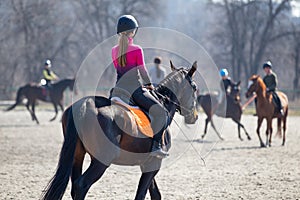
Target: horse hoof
(241, 139)
(249, 138)
(262, 145)
(221, 138)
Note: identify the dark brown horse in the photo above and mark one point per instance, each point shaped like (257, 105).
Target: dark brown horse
(105, 130)
(209, 103)
(33, 92)
(266, 109)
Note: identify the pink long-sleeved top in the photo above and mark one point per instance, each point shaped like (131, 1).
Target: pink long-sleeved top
(134, 64)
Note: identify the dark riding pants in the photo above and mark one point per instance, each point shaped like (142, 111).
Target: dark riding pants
(157, 112)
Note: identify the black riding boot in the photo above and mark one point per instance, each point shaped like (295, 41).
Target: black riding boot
(156, 149)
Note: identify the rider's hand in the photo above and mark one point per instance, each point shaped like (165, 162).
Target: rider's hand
(149, 87)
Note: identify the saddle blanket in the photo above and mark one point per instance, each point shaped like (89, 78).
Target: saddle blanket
(141, 119)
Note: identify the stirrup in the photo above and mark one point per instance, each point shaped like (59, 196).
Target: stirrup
(157, 151)
(281, 113)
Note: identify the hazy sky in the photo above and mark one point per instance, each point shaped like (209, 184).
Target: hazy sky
(296, 8)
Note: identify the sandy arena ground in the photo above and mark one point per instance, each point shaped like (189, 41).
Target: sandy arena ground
(232, 169)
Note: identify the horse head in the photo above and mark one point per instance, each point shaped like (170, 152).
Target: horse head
(253, 85)
(235, 91)
(184, 88)
(71, 83)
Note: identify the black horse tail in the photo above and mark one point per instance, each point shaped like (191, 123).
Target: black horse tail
(199, 100)
(19, 98)
(58, 184)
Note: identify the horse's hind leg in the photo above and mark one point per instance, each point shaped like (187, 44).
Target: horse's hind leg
(144, 184)
(77, 165)
(279, 127)
(90, 176)
(154, 191)
(284, 128)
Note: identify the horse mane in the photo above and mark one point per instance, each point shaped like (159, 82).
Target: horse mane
(174, 75)
(261, 83)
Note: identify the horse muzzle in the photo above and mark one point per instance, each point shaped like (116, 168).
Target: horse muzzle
(191, 118)
(248, 94)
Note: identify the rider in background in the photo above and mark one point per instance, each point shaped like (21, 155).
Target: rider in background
(132, 76)
(48, 74)
(271, 83)
(226, 84)
(48, 77)
(157, 73)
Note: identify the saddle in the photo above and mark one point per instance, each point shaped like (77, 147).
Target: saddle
(276, 101)
(141, 118)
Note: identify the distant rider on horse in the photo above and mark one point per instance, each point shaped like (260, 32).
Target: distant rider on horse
(48, 77)
(128, 60)
(271, 83)
(226, 84)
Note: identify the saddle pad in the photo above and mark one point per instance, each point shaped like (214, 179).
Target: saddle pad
(141, 119)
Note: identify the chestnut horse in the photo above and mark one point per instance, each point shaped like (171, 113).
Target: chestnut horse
(209, 104)
(33, 92)
(266, 109)
(96, 126)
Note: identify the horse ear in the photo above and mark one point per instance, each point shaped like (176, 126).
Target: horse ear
(172, 66)
(193, 69)
(256, 77)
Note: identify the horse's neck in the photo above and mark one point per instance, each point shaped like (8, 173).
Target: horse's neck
(261, 95)
(165, 92)
(61, 86)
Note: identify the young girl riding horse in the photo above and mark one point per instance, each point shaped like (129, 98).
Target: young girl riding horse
(129, 62)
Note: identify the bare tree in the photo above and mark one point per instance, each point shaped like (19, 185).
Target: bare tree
(296, 57)
(250, 28)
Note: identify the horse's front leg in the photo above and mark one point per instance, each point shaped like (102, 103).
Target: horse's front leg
(214, 127)
(259, 122)
(154, 191)
(205, 128)
(56, 111)
(269, 132)
(240, 125)
(239, 132)
(33, 113)
(145, 182)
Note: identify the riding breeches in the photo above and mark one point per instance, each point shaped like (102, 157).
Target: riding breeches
(157, 113)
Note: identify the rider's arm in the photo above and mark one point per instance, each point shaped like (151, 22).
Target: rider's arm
(273, 84)
(141, 66)
(52, 76)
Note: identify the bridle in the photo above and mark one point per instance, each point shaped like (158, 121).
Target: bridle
(179, 107)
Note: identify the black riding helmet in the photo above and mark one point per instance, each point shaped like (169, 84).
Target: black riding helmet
(267, 64)
(126, 23)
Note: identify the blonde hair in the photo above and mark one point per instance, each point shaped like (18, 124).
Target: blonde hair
(123, 45)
